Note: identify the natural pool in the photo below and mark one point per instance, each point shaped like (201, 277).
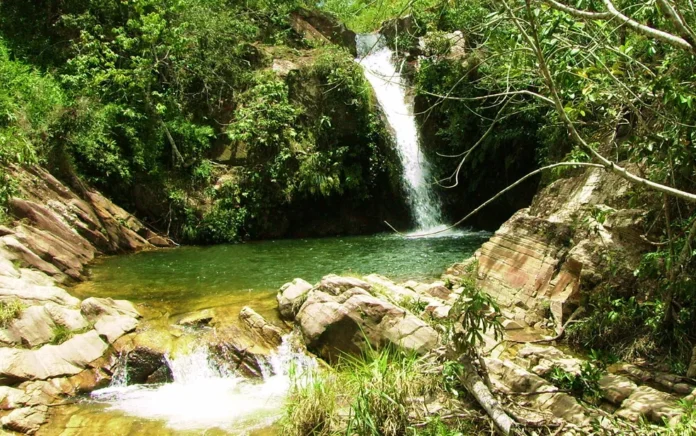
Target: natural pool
(191, 278)
(165, 283)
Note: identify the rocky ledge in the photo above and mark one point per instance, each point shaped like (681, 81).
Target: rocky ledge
(53, 345)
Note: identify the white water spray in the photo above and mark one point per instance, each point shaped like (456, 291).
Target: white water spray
(380, 70)
(205, 396)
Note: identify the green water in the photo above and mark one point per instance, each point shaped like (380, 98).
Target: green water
(190, 278)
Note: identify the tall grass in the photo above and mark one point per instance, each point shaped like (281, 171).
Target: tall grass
(374, 394)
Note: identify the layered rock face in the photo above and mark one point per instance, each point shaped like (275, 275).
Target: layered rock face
(59, 231)
(53, 345)
(544, 256)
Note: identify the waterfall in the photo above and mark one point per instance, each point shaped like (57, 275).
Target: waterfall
(205, 396)
(380, 70)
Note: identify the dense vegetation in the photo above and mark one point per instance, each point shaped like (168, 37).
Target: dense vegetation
(139, 97)
(507, 86)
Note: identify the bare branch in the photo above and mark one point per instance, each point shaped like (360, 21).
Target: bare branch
(614, 13)
(496, 196)
(575, 135)
(648, 31)
(577, 12)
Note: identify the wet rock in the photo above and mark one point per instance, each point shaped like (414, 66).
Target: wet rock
(335, 325)
(197, 319)
(163, 374)
(235, 350)
(270, 334)
(49, 361)
(144, 354)
(291, 296)
(26, 420)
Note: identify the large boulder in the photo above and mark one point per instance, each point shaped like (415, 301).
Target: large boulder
(291, 296)
(336, 325)
(336, 285)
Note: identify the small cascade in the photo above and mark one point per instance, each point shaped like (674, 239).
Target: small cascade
(380, 70)
(120, 377)
(205, 396)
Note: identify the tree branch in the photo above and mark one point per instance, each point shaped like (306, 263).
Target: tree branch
(577, 12)
(575, 135)
(646, 30)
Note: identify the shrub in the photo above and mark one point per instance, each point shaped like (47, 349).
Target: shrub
(10, 310)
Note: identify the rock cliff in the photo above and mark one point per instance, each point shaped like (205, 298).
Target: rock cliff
(52, 345)
(545, 256)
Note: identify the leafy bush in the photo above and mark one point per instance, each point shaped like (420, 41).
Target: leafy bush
(584, 385)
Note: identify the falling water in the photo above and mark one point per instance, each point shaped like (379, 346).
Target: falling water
(204, 395)
(380, 70)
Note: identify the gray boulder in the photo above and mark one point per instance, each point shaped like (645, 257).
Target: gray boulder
(343, 324)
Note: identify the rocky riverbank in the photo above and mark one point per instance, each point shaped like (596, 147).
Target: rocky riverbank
(338, 316)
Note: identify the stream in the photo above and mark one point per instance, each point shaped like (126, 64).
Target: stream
(203, 398)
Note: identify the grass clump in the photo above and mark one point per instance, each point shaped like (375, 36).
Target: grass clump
(373, 394)
(61, 334)
(10, 310)
(311, 404)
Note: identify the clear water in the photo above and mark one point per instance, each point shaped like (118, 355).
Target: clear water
(385, 78)
(192, 278)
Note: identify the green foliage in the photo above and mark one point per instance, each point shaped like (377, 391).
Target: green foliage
(312, 404)
(474, 313)
(30, 105)
(10, 310)
(61, 334)
(584, 385)
(377, 388)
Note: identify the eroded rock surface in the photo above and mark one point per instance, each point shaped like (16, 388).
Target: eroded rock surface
(340, 316)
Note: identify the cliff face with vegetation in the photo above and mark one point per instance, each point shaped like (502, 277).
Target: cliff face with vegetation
(212, 122)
